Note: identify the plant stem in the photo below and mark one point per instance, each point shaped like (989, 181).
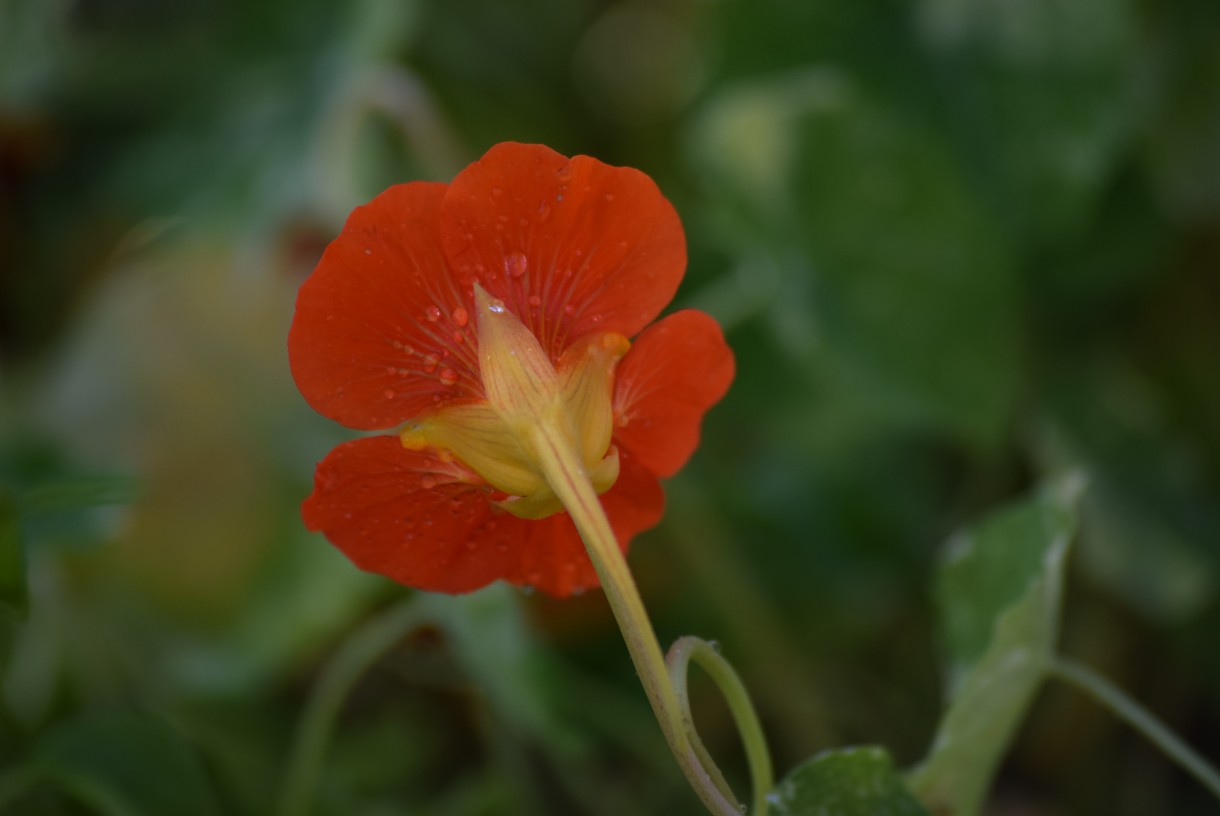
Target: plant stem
(681, 653)
(357, 654)
(570, 481)
(1138, 718)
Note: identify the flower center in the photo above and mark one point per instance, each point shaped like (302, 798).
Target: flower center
(526, 394)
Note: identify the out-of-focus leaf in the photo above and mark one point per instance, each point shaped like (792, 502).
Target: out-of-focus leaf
(80, 491)
(491, 638)
(999, 592)
(850, 782)
(914, 285)
(1183, 131)
(1040, 98)
(14, 595)
(126, 763)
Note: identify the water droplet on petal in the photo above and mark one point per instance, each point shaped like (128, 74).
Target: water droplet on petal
(544, 212)
(431, 362)
(535, 300)
(368, 251)
(515, 265)
(460, 316)
(609, 196)
(448, 376)
(564, 173)
(569, 309)
(496, 191)
(433, 313)
(388, 393)
(428, 482)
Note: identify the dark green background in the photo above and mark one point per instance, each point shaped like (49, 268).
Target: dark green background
(958, 246)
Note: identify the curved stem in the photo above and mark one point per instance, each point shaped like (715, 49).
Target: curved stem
(681, 653)
(1138, 718)
(357, 654)
(570, 481)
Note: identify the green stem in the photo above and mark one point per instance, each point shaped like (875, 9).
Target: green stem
(1138, 718)
(681, 653)
(568, 478)
(357, 654)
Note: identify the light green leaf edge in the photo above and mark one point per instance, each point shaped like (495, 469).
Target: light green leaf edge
(849, 782)
(991, 687)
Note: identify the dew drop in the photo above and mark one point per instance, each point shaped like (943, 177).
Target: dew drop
(431, 362)
(391, 370)
(428, 482)
(397, 344)
(544, 212)
(433, 313)
(402, 372)
(609, 196)
(460, 316)
(368, 251)
(448, 376)
(515, 265)
(408, 349)
(496, 191)
(458, 337)
(535, 300)
(496, 307)
(569, 309)
(388, 393)
(564, 173)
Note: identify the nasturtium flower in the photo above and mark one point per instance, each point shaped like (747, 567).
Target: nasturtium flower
(466, 317)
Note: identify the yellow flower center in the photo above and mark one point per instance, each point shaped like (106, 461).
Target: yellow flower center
(572, 401)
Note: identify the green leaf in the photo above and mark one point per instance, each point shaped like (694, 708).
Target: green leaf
(999, 591)
(915, 285)
(126, 763)
(14, 595)
(851, 782)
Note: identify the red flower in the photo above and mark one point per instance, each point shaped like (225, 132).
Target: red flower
(473, 312)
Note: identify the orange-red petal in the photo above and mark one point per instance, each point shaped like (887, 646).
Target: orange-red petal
(429, 524)
(676, 370)
(411, 516)
(571, 246)
(382, 332)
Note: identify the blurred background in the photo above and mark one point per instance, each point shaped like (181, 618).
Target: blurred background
(958, 246)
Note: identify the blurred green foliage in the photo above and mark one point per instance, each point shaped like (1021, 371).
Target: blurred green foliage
(960, 247)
